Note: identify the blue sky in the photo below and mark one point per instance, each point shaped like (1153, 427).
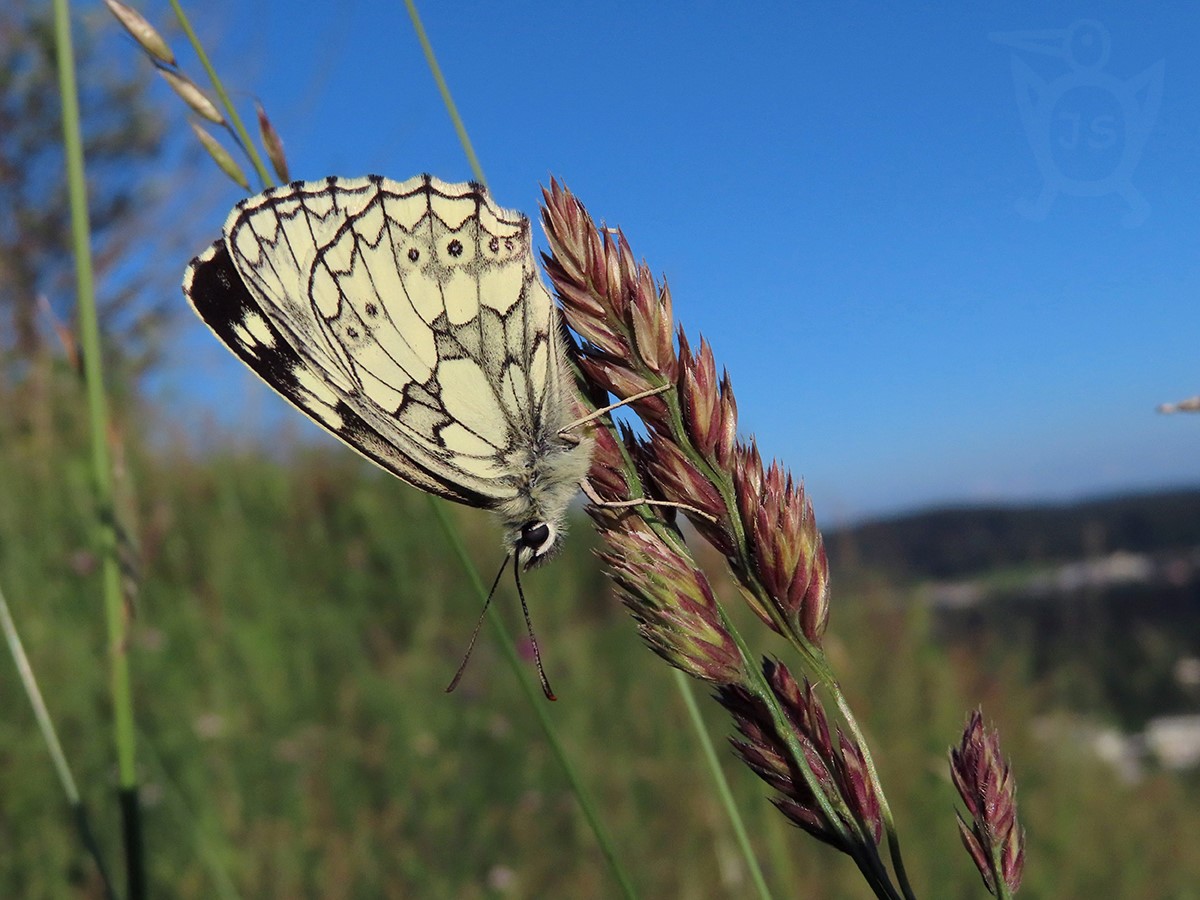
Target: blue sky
(842, 197)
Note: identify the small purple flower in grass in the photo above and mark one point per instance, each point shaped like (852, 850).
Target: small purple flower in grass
(525, 649)
(984, 780)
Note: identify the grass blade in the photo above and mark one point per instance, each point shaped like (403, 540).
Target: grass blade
(50, 736)
(105, 522)
(718, 777)
(440, 80)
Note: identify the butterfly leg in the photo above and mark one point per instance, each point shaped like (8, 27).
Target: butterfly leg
(590, 492)
(595, 414)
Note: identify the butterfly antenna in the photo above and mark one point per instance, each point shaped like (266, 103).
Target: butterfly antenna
(537, 654)
(478, 624)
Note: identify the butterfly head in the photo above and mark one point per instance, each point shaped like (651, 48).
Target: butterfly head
(534, 543)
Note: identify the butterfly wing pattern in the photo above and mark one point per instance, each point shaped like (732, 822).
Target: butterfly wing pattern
(408, 319)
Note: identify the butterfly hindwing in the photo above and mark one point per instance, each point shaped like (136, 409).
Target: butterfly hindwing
(231, 311)
(406, 318)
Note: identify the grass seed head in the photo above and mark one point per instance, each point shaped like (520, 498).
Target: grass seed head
(786, 549)
(838, 767)
(142, 31)
(985, 782)
(273, 144)
(189, 92)
(673, 604)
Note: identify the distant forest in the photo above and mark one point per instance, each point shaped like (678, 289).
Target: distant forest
(1112, 650)
(958, 541)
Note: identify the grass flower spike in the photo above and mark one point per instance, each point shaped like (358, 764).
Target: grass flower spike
(272, 144)
(760, 521)
(143, 32)
(838, 767)
(756, 516)
(673, 604)
(984, 780)
(786, 551)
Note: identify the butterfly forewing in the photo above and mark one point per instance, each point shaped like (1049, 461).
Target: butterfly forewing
(406, 318)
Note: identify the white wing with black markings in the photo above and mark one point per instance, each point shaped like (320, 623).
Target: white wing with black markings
(406, 318)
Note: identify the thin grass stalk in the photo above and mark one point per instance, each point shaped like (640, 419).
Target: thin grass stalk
(583, 797)
(889, 822)
(98, 418)
(50, 736)
(237, 128)
(533, 694)
(447, 98)
(723, 791)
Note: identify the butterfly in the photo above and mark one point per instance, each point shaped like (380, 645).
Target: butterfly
(408, 320)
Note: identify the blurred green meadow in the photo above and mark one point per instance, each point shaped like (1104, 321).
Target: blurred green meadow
(297, 617)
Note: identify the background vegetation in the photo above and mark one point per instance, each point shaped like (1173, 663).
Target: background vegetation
(297, 621)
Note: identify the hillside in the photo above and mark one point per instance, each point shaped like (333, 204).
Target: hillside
(957, 541)
(1100, 597)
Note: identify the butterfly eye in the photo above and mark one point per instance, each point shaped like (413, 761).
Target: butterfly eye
(534, 535)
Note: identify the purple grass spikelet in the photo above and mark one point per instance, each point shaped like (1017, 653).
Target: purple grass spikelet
(985, 782)
(838, 767)
(786, 550)
(673, 605)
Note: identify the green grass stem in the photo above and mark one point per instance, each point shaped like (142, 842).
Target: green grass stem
(53, 745)
(236, 127)
(98, 419)
(718, 776)
(447, 98)
(534, 695)
(40, 712)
